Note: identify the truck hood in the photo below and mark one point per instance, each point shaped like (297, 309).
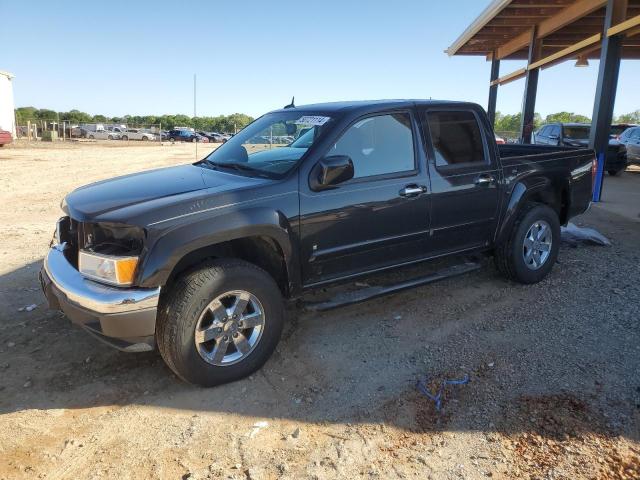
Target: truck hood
(122, 198)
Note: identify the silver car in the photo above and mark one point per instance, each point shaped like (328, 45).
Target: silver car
(137, 134)
(102, 135)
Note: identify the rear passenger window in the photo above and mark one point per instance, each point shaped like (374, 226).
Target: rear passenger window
(456, 138)
(378, 145)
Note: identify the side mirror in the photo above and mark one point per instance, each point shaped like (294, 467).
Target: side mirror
(330, 171)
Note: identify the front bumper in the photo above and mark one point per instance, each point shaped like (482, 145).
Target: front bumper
(122, 317)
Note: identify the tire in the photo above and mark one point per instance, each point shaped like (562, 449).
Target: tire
(511, 256)
(125, 138)
(91, 137)
(185, 307)
(110, 137)
(194, 139)
(144, 139)
(613, 173)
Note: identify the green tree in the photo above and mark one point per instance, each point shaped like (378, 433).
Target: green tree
(76, 116)
(633, 117)
(507, 123)
(566, 117)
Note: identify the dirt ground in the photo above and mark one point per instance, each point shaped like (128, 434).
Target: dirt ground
(553, 368)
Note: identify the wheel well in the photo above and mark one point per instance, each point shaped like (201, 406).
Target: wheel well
(557, 201)
(261, 251)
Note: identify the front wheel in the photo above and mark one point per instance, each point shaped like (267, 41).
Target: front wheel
(194, 139)
(529, 253)
(220, 322)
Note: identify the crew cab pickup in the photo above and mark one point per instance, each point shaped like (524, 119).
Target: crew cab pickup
(198, 259)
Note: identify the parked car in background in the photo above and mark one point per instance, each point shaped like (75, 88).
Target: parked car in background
(500, 140)
(5, 138)
(618, 129)
(186, 136)
(137, 134)
(101, 135)
(219, 137)
(577, 135)
(213, 136)
(630, 138)
(198, 259)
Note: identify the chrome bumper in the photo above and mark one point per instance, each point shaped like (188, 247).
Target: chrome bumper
(124, 317)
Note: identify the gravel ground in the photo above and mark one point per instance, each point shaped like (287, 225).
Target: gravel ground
(554, 388)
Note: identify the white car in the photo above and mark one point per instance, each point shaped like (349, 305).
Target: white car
(137, 134)
(102, 135)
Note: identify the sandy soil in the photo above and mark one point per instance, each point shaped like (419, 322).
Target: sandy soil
(554, 388)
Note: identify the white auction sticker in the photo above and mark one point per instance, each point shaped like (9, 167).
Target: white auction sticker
(313, 120)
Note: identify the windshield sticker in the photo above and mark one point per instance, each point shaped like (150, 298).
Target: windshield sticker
(313, 120)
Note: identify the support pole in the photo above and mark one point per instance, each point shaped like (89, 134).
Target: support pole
(493, 89)
(606, 90)
(530, 89)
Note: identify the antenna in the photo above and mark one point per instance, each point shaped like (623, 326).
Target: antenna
(194, 112)
(292, 104)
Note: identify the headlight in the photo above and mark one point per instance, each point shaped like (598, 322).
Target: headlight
(111, 269)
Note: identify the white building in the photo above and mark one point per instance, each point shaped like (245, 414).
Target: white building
(7, 113)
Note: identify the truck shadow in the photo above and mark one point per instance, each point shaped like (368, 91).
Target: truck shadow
(359, 363)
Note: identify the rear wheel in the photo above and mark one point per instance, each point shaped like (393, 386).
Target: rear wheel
(91, 137)
(110, 137)
(194, 139)
(220, 322)
(144, 139)
(532, 248)
(125, 138)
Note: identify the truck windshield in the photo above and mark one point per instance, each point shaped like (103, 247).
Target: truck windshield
(271, 146)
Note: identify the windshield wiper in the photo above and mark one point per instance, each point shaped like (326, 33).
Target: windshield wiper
(241, 167)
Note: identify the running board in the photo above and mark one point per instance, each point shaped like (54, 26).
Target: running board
(349, 298)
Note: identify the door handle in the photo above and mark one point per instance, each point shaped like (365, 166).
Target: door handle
(485, 179)
(413, 190)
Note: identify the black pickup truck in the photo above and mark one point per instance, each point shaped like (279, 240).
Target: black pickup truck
(197, 259)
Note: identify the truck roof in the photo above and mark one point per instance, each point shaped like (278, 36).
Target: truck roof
(365, 105)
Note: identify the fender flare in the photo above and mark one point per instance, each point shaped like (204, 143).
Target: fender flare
(174, 244)
(521, 192)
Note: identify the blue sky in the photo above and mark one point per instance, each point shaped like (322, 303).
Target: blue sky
(139, 57)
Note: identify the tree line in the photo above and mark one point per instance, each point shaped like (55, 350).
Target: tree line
(220, 123)
(237, 121)
(511, 123)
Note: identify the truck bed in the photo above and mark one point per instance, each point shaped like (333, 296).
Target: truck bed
(509, 150)
(558, 164)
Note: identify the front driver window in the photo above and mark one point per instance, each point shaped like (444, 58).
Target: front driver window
(378, 145)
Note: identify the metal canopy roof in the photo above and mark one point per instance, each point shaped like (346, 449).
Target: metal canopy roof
(504, 29)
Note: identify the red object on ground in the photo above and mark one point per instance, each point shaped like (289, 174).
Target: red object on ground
(5, 137)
